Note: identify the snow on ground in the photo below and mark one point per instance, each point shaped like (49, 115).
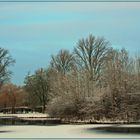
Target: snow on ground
(58, 131)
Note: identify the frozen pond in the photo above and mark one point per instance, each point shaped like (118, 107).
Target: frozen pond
(70, 131)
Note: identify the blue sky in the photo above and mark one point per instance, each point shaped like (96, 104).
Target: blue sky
(33, 31)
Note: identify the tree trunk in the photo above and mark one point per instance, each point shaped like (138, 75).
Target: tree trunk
(44, 107)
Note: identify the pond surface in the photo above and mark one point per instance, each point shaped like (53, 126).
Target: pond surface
(69, 131)
(118, 129)
(18, 121)
(14, 127)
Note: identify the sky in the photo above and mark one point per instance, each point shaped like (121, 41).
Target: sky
(33, 31)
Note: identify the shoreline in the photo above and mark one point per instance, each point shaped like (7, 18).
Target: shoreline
(46, 117)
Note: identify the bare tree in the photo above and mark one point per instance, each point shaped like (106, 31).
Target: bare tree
(5, 61)
(12, 95)
(118, 69)
(92, 53)
(63, 62)
(37, 85)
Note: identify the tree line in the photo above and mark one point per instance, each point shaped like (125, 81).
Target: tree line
(95, 81)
